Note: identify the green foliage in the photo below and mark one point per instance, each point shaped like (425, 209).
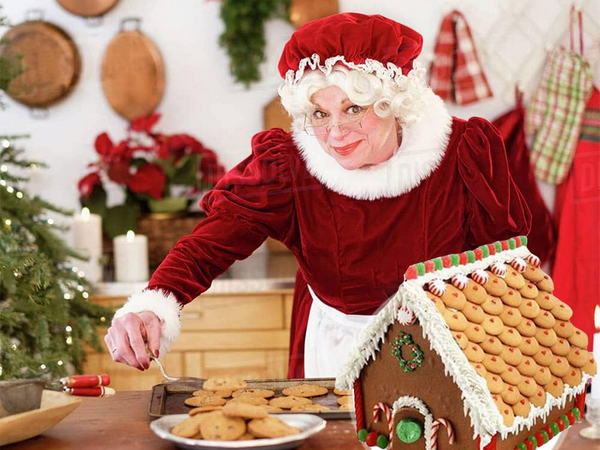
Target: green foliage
(46, 319)
(244, 35)
(10, 65)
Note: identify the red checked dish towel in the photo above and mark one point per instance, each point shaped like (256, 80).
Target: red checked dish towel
(456, 73)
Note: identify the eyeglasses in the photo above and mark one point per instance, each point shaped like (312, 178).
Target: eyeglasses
(346, 127)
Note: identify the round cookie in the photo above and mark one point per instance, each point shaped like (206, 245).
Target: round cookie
(529, 346)
(461, 339)
(264, 393)
(480, 369)
(511, 356)
(313, 408)
(559, 366)
(474, 353)
(453, 298)
(591, 367)
(510, 395)
(189, 428)
(527, 328)
(492, 345)
(577, 357)
(475, 293)
(555, 388)
(533, 273)
(214, 400)
(288, 402)
(439, 304)
(546, 284)
(514, 279)
(495, 285)
(511, 376)
(522, 407)
(529, 291)
(510, 337)
(508, 416)
(546, 337)
(305, 390)
(528, 367)
(492, 325)
(344, 400)
(573, 377)
(224, 383)
(511, 316)
(218, 427)
(475, 333)
(562, 347)
(543, 357)
(512, 298)
(473, 313)
(529, 309)
(244, 411)
(539, 398)
(543, 376)
(494, 383)
(492, 306)
(528, 386)
(203, 409)
(546, 300)
(545, 319)
(562, 311)
(271, 427)
(564, 328)
(346, 392)
(579, 339)
(249, 399)
(494, 364)
(456, 320)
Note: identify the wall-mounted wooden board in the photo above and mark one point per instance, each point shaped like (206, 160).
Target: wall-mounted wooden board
(87, 8)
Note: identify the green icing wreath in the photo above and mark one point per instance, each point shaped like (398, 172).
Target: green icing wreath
(416, 354)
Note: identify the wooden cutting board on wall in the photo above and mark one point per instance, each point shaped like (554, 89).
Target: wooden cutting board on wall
(87, 8)
(50, 60)
(133, 74)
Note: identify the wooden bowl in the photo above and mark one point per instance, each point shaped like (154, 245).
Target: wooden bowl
(87, 8)
(55, 407)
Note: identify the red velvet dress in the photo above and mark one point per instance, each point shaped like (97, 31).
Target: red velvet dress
(353, 253)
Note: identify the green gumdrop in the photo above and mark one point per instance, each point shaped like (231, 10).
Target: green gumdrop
(498, 246)
(455, 259)
(554, 428)
(362, 435)
(512, 244)
(471, 256)
(533, 440)
(485, 250)
(545, 436)
(438, 264)
(576, 413)
(421, 268)
(522, 446)
(409, 431)
(382, 441)
(524, 240)
(565, 420)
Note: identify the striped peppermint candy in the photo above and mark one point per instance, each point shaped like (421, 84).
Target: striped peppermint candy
(498, 269)
(460, 281)
(405, 317)
(533, 260)
(437, 287)
(435, 428)
(519, 264)
(388, 416)
(480, 276)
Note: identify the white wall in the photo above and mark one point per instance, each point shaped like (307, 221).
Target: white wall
(202, 99)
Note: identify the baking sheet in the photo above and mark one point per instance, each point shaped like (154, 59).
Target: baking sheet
(168, 398)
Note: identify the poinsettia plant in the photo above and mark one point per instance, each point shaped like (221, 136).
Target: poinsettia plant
(145, 168)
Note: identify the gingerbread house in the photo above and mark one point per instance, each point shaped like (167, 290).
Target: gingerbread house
(473, 352)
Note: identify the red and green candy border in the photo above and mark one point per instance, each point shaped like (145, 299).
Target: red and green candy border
(461, 259)
(541, 437)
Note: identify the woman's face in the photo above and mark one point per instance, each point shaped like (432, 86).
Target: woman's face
(374, 142)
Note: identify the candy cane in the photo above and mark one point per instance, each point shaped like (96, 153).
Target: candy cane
(388, 415)
(435, 427)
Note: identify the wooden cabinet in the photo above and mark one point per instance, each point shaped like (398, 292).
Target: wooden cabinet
(242, 334)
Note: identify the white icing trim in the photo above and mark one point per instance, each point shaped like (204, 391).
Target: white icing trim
(415, 403)
(423, 146)
(478, 403)
(165, 306)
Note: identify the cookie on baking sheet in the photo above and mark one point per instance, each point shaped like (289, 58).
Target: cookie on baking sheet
(271, 427)
(249, 399)
(203, 409)
(312, 408)
(346, 407)
(264, 393)
(336, 391)
(288, 402)
(305, 390)
(219, 427)
(344, 400)
(224, 383)
(245, 411)
(214, 400)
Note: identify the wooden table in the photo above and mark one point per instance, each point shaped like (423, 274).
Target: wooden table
(122, 423)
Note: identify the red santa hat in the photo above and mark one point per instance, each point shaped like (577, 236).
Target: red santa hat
(371, 44)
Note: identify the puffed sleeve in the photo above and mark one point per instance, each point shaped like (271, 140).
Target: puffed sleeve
(496, 208)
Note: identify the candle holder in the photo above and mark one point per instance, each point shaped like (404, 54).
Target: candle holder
(593, 417)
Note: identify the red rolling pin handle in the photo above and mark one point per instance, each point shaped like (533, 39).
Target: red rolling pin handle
(98, 391)
(85, 381)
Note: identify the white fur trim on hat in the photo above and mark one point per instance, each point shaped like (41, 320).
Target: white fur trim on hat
(423, 146)
(165, 306)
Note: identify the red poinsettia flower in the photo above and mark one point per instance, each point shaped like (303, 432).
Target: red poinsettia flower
(103, 144)
(118, 171)
(149, 179)
(162, 146)
(86, 184)
(145, 123)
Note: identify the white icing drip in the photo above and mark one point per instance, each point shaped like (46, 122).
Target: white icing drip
(412, 402)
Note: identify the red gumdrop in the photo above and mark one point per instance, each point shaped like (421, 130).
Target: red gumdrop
(371, 440)
(561, 424)
(446, 261)
(529, 445)
(412, 273)
(571, 418)
(548, 430)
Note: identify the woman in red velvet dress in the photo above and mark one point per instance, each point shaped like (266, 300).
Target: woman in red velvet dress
(376, 176)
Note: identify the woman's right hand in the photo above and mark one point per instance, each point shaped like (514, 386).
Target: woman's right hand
(131, 336)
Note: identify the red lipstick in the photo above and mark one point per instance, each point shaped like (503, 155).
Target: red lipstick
(347, 149)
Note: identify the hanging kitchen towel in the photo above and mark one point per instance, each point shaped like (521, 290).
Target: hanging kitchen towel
(456, 73)
(554, 116)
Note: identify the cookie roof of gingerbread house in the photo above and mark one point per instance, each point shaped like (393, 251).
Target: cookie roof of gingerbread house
(503, 337)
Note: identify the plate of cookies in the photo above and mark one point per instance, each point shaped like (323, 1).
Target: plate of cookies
(236, 425)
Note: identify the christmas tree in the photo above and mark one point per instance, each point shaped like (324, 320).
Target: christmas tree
(46, 319)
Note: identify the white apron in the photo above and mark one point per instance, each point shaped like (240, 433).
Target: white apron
(330, 335)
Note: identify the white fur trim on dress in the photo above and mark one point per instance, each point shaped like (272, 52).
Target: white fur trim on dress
(421, 151)
(165, 306)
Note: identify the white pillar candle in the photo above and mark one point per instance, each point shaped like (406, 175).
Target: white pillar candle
(596, 350)
(131, 257)
(87, 240)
